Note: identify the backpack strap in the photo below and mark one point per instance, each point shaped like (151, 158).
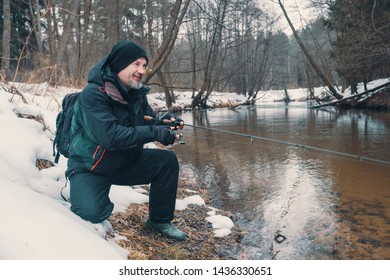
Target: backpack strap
(57, 157)
(66, 184)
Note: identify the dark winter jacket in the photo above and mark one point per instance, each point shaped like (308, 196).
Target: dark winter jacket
(108, 132)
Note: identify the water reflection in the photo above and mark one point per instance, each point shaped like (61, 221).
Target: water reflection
(297, 213)
(296, 203)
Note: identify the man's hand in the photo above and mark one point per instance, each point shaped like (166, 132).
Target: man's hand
(165, 136)
(174, 121)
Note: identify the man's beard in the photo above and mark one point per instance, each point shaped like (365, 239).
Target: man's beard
(134, 85)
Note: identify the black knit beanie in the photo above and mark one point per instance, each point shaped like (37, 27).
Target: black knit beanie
(124, 53)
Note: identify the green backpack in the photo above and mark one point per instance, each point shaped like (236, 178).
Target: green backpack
(63, 137)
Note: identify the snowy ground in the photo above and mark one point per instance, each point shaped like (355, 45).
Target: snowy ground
(36, 222)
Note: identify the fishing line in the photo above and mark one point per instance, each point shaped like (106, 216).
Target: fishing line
(251, 137)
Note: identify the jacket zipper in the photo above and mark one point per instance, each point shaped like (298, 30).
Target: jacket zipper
(100, 158)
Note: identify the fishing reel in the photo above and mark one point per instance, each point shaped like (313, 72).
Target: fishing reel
(181, 141)
(175, 124)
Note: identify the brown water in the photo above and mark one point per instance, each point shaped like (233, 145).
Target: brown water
(295, 202)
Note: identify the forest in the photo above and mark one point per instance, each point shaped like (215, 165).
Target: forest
(199, 45)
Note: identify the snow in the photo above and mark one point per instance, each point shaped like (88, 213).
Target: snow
(194, 199)
(221, 224)
(37, 223)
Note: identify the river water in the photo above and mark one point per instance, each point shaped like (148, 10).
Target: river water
(294, 201)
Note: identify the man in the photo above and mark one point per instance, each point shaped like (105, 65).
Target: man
(109, 132)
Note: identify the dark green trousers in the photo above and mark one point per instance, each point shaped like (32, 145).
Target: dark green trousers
(89, 192)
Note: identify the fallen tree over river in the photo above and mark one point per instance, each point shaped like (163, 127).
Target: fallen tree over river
(375, 98)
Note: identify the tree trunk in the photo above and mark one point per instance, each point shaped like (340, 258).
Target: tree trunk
(6, 45)
(51, 32)
(199, 101)
(169, 97)
(160, 56)
(193, 67)
(86, 33)
(36, 16)
(115, 17)
(287, 98)
(192, 42)
(323, 77)
(67, 32)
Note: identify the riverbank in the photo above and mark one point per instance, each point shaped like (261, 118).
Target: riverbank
(377, 101)
(201, 242)
(377, 97)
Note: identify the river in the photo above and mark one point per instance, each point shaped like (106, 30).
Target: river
(298, 198)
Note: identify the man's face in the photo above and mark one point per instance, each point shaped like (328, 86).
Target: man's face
(132, 75)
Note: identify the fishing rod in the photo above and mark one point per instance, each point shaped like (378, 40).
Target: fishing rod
(251, 137)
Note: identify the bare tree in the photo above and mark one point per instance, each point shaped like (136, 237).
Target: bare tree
(36, 17)
(70, 9)
(194, 39)
(6, 44)
(52, 31)
(84, 36)
(169, 36)
(213, 52)
(320, 73)
(362, 44)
